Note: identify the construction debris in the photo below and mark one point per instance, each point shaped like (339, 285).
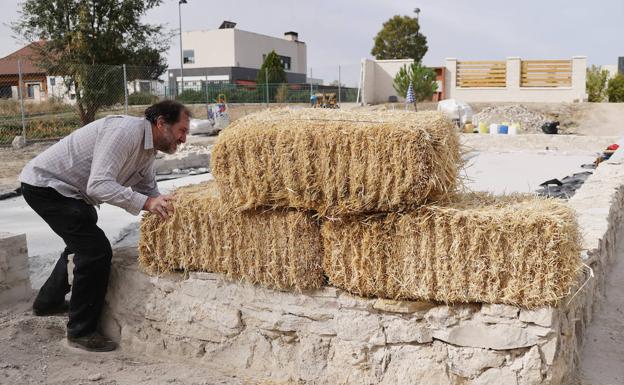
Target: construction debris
(337, 162)
(528, 120)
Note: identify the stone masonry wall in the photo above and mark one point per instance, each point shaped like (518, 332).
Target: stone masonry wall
(331, 337)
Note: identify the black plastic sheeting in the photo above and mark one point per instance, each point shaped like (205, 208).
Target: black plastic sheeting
(10, 194)
(564, 188)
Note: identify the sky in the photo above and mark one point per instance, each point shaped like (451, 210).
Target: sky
(341, 32)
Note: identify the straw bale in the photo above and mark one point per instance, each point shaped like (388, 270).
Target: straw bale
(517, 250)
(279, 249)
(337, 162)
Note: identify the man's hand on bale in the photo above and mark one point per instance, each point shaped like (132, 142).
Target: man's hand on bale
(159, 205)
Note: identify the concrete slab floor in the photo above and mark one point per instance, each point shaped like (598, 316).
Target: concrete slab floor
(519, 172)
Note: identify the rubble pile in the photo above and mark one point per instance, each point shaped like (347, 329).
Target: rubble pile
(528, 120)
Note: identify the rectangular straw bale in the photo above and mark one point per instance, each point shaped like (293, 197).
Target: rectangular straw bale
(337, 162)
(279, 249)
(522, 251)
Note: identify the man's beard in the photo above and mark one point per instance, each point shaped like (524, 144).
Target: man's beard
(168, 143)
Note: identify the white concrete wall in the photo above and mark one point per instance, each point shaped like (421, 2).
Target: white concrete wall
(513, 92)
(249, 48)
(213, 48)
(379, 76)
(59, 90)
(236, 48)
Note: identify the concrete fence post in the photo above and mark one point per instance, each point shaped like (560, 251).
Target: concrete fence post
(450, 66)
(513, 74)
(579, 78)
(339, 86)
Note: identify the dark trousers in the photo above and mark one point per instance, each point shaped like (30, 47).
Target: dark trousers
(75, 222)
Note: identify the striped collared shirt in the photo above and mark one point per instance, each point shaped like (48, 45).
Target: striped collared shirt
(110, 160)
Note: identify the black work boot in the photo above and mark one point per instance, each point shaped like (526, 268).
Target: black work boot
(43, 311)
(94, 342)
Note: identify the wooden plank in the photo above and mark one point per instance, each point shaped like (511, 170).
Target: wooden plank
(545, 85)
(565, 68)
(477, 84)
(480, 61)
(545, 61)
(490, 80)
(484, 82)
(481, 66)
(482, 72)
(558, 78)
(532, 73)
(547, 69)
(545, 82)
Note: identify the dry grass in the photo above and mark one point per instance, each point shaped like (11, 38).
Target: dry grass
(278, 249)
(337, 162)
(515, 250)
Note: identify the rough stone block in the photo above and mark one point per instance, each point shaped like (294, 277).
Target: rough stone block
(399, 330)
(404, 307)
(14, 268)
(542, 317)
(490, 336)
(502, 311)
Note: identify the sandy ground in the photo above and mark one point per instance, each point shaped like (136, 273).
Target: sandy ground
(34, 351)
(601, 359)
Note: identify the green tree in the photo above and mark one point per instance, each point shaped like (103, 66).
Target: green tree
(87, 41)
(596, 83)
(274, 67)
(400, 38)
(615, 89)
(423, 81)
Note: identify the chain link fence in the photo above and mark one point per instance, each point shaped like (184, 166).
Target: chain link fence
(49, 105)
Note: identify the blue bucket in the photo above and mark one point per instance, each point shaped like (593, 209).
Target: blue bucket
(503, 129)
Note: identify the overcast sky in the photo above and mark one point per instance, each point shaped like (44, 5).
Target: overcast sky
(341, 31)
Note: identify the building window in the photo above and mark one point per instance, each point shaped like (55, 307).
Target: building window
(284, 59)
(189, 56)
(30, 90)
(285, 62)
(6, 92)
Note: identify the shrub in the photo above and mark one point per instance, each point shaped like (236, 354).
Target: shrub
(615, 89)
(142, 98)
(596, 84)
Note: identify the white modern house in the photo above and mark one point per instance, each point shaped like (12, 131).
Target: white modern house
(231, 55)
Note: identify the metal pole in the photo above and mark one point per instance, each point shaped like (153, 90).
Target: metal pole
(266, 82)
(206, 92)
(125, 85)
(20, 92)
(181, 52)
(311, 90)
(339, 86)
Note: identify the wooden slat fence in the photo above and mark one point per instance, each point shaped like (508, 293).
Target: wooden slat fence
(472, 74)
(546, 73)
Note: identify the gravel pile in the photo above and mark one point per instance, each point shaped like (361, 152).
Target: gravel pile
(529, 121)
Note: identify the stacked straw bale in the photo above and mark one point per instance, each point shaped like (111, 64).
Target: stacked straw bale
(279, 249)
(337, 162)
(515, 250)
